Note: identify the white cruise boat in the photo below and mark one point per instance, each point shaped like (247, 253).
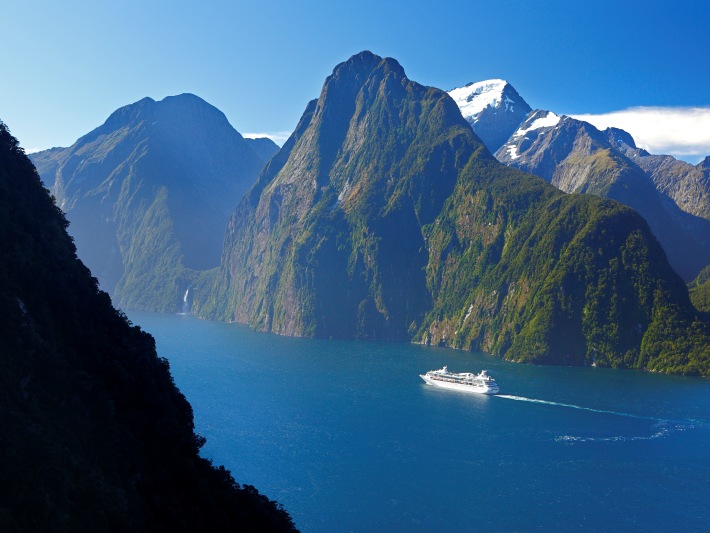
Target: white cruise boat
(480, 383)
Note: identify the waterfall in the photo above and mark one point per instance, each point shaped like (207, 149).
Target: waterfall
(185, 303)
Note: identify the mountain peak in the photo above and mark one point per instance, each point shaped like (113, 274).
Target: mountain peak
(179, 157)
(493, 108)
(145, 107)
(363, 64)
(474, 97)
(619, 138)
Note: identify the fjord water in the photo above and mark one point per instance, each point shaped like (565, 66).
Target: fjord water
(348, 437)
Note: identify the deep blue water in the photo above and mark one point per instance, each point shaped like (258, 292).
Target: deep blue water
(348, 437)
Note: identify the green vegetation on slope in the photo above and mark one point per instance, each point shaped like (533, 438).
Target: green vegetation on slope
(531, 274)
(700, 290)
(95, 435)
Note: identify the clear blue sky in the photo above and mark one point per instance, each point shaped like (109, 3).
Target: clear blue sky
(67, 65)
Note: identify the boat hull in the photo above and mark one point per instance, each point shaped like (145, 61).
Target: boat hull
(459, 386)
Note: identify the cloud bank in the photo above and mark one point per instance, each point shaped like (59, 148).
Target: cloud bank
(279, 137)
(683, 132)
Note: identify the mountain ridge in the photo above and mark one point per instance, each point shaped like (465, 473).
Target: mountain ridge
(575, 156)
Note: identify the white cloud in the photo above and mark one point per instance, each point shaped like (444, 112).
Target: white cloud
(279, 137)
(683, 132)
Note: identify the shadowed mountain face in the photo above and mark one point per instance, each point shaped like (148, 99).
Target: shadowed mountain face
(96, 437)
(384, 216)
(149, 193)
(576, 157)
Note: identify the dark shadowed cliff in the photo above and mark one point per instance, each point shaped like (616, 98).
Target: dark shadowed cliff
(95, 435)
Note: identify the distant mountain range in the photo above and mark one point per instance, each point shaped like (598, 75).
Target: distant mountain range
(385, 217)
(149, 194)
(673, 196)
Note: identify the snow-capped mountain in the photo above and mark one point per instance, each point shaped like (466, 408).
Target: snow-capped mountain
(549, 145)
(493, 108)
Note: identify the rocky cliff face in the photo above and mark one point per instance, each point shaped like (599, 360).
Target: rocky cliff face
(685, 185)
(149, 192)
(96, 437)
(384, 216)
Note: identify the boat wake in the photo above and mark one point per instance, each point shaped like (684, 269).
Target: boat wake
(661, 427)
(572, 406)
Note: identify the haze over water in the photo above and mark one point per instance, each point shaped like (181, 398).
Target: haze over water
(347, 436)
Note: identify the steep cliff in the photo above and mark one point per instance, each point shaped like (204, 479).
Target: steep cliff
(96, 437)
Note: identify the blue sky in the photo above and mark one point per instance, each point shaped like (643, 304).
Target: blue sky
(68, 65)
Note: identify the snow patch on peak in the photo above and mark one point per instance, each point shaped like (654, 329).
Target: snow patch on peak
(513, 152)
(508, 103)
(548, 120)
(475, 97)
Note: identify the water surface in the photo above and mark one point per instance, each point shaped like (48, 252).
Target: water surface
(348, 438)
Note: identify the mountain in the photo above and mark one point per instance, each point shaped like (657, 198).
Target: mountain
(575, 156)
(385, 217)
(95, 435)
(149, 193)
(493, 108)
